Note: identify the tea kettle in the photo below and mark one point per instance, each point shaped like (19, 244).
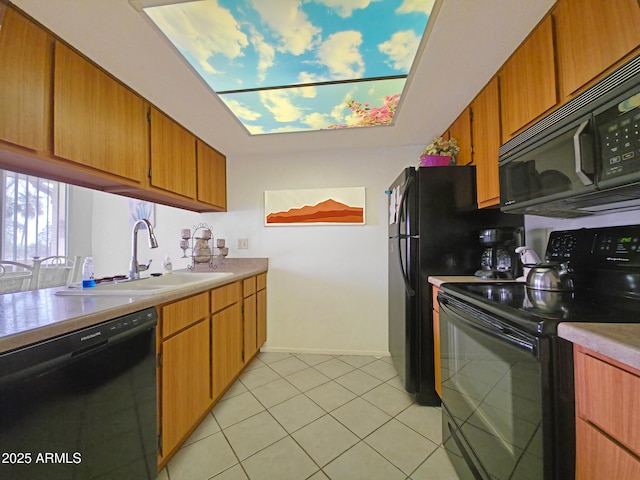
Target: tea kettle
(552, 276)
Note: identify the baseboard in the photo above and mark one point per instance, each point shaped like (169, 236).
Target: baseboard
(371, 353)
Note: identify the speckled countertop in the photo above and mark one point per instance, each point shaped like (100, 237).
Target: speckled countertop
(620, 341)
(439, 280)
(36, 315)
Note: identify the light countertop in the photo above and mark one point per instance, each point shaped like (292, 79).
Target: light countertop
(438, 280)
(619, 341)
(36, 315)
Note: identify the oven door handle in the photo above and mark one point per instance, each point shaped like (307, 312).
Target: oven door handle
(492, 328)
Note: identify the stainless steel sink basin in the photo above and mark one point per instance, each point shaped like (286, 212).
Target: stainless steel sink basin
(145, 286)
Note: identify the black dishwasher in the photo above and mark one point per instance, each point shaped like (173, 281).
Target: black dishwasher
(82, 405)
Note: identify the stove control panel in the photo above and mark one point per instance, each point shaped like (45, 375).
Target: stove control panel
(619, 246)
(601, 248)
(562, 246)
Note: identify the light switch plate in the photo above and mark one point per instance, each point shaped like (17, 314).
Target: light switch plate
(243, 243)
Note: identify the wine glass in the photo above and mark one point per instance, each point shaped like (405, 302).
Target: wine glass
(184, 245)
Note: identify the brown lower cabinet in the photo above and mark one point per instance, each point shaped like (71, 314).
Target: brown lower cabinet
(203, 342)
(607, 416)
(184, 369)
(436, 341)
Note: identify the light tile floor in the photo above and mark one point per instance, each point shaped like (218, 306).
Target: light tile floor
(301, 416)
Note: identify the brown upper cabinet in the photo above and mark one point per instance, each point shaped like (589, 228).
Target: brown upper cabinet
(460, 129)
(173, 156)
(26, 62)
(485, 128)
(212, 174)
(592, 36)
(528, 81)
(98, 122)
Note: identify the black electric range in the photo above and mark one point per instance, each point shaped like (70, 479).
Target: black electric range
(606, 271)
(540, 313)
(507, 378)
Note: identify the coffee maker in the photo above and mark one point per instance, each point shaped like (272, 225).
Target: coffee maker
(499, 259)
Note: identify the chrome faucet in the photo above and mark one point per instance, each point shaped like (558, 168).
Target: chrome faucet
(135, 268)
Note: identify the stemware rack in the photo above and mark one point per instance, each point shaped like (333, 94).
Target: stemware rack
(198, 243)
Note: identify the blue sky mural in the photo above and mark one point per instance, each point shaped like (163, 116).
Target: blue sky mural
(254, 49)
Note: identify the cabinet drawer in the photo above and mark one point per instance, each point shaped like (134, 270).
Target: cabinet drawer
(608, 397)
(597, 457)
(178, 315)
(261, 281)
(224, 296)
(248, 286)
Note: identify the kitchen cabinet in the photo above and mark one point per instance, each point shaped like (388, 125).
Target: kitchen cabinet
(261, 309)
(460, 129)
(173, 156)
(26, 66)
(98, 122)
(607, 414)
(528, 81)
(249, 312)
(593, 36)
(436, 340)
(184, 369)
(226, 336)
(255, 314)
(212, 176)
(485, 128)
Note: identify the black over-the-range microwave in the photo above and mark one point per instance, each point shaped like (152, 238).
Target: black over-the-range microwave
(582, 159)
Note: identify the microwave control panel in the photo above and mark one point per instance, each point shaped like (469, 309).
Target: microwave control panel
(620, 139)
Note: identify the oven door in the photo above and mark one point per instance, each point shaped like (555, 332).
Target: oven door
(492, 395)
(557, 166)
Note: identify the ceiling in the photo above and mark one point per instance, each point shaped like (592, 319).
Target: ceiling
(469, 41)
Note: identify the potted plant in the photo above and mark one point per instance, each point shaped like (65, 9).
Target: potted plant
(440, 152)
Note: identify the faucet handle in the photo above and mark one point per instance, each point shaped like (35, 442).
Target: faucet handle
(142, 268)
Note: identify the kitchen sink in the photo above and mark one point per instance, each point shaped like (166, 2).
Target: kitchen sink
(144, 286)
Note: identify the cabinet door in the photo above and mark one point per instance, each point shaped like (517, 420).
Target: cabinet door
(261, 320)
(226, 344)
(186, 383)
(212, 176)
(173, 156)
(26, 69)
(461, 131)
(597, 457)
(528, 81)
(486, 139)
(250, 327)
(98, 122)
(436, 341)
(593, 35)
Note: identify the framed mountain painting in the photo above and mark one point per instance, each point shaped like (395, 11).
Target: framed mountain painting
(316, 206)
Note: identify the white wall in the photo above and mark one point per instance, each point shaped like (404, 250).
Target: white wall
(538, 228)
(327, 285)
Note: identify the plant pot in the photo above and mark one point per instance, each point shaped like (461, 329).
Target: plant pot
(434, 160)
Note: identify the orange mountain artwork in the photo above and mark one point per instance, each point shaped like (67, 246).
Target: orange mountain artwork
(328, 211)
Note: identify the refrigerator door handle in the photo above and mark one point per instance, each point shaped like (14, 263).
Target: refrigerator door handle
(407, 284)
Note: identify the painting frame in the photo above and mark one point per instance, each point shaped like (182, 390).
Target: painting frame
(315, 206)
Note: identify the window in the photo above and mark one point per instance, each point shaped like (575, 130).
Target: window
(34, 217)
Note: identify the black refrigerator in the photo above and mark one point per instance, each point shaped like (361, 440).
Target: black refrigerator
(434, 227)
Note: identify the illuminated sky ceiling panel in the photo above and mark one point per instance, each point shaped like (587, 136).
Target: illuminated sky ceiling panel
(295, 65)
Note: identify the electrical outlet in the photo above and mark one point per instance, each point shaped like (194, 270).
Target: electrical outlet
(243, 243)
